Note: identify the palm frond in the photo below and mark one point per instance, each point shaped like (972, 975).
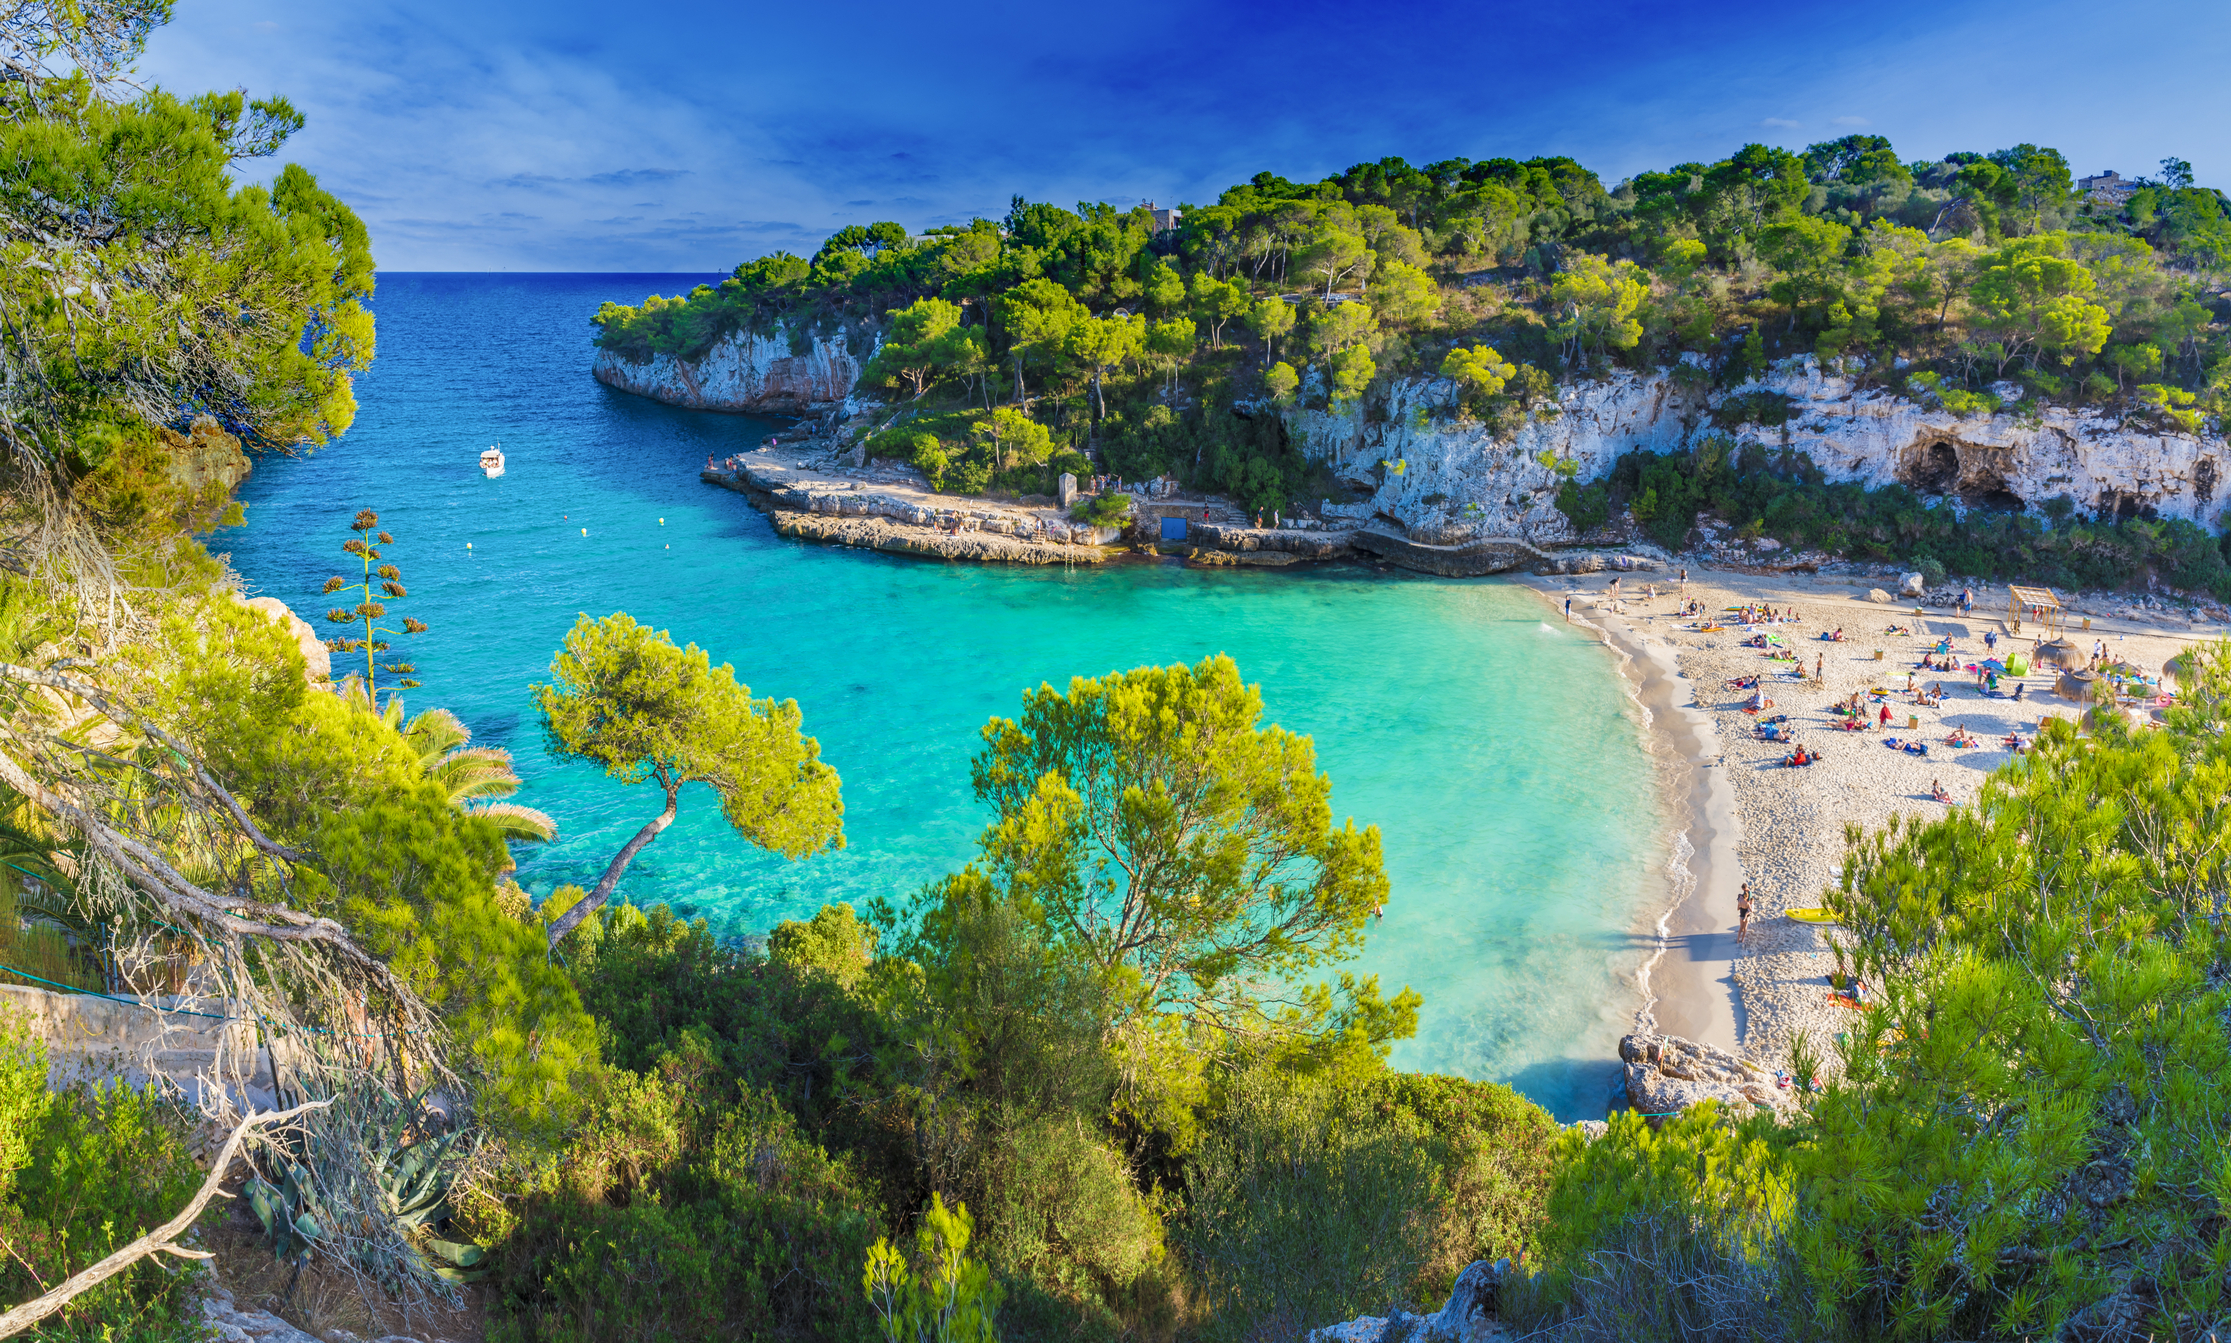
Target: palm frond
(477, 772)
(435, 733)
(517, 822)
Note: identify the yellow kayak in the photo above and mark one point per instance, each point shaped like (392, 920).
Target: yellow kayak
(1811, 915)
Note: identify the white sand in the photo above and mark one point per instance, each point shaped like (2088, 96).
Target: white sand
(1749, 818)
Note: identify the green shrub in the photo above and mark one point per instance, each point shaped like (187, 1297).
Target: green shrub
(83, 1172)
(1728, 1186)
(1105, 510)
(1313, 1200)
(664, 1221)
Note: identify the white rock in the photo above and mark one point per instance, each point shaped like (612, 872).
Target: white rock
(744, 372)
(1869, 436)
(1878, 596)
(1913, 585)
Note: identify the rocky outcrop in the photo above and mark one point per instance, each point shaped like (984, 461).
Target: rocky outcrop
(1469, 1316)
(1667, 1074)
(1469, 559)
(205, 461)
(1440, 481)
(872, 533)
(830, 503)
(1264, 541)
(743, 372)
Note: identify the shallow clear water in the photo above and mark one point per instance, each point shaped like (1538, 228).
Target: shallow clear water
(1497, 751)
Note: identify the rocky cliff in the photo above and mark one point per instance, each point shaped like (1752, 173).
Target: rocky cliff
(1449, 482)
(743, 372)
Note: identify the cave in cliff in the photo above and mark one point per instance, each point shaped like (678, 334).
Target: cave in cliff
(1948, 468)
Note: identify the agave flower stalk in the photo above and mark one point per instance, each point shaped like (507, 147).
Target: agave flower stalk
(370, 610)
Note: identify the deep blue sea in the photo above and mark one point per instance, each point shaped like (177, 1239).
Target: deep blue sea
(1497, 751)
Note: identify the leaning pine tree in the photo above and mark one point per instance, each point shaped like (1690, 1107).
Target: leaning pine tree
(627, 699)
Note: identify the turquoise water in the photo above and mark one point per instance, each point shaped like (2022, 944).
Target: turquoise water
(1496, 750)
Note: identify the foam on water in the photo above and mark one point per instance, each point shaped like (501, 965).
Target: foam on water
(1500, 756)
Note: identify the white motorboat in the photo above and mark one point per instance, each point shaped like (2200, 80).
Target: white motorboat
(492, 462)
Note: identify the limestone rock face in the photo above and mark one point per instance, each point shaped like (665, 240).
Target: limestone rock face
(1445, 481)
(317, 659)
(742, 372)
(205, 458)
(1667, 1074)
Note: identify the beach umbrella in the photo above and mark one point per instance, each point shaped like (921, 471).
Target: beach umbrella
(2061, 652)
(1993, 664)
(2075, 685)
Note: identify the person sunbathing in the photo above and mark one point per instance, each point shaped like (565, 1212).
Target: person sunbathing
(1936, 790)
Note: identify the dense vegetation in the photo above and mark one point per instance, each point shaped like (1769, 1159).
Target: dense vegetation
(1161, 350)
(1109, 1080)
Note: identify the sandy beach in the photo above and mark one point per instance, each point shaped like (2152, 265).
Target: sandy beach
(1738, 814)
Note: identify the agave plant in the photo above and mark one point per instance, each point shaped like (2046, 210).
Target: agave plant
(289, 1212)
(415, 1191)
(413, 1198)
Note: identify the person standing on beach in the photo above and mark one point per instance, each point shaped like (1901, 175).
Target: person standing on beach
(1820, 660)
(1743, 914)
(1568, 610)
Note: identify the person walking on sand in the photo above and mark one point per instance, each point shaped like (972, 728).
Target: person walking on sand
(1820, 660)
(1743, 914)
(1568, 610)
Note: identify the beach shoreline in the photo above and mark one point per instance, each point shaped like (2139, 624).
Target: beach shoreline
(1736, 813)
(1686, 983)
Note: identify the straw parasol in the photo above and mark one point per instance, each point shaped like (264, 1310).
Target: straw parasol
(2075, 684)
(2061, 652)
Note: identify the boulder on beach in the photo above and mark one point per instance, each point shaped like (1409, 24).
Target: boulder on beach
(1878, 596)
(1667, 1074)
(1913, 585)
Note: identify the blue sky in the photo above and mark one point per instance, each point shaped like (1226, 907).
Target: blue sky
(561, 135)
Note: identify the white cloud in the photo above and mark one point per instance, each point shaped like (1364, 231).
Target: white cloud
(1849, 121)
(1781, 124)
